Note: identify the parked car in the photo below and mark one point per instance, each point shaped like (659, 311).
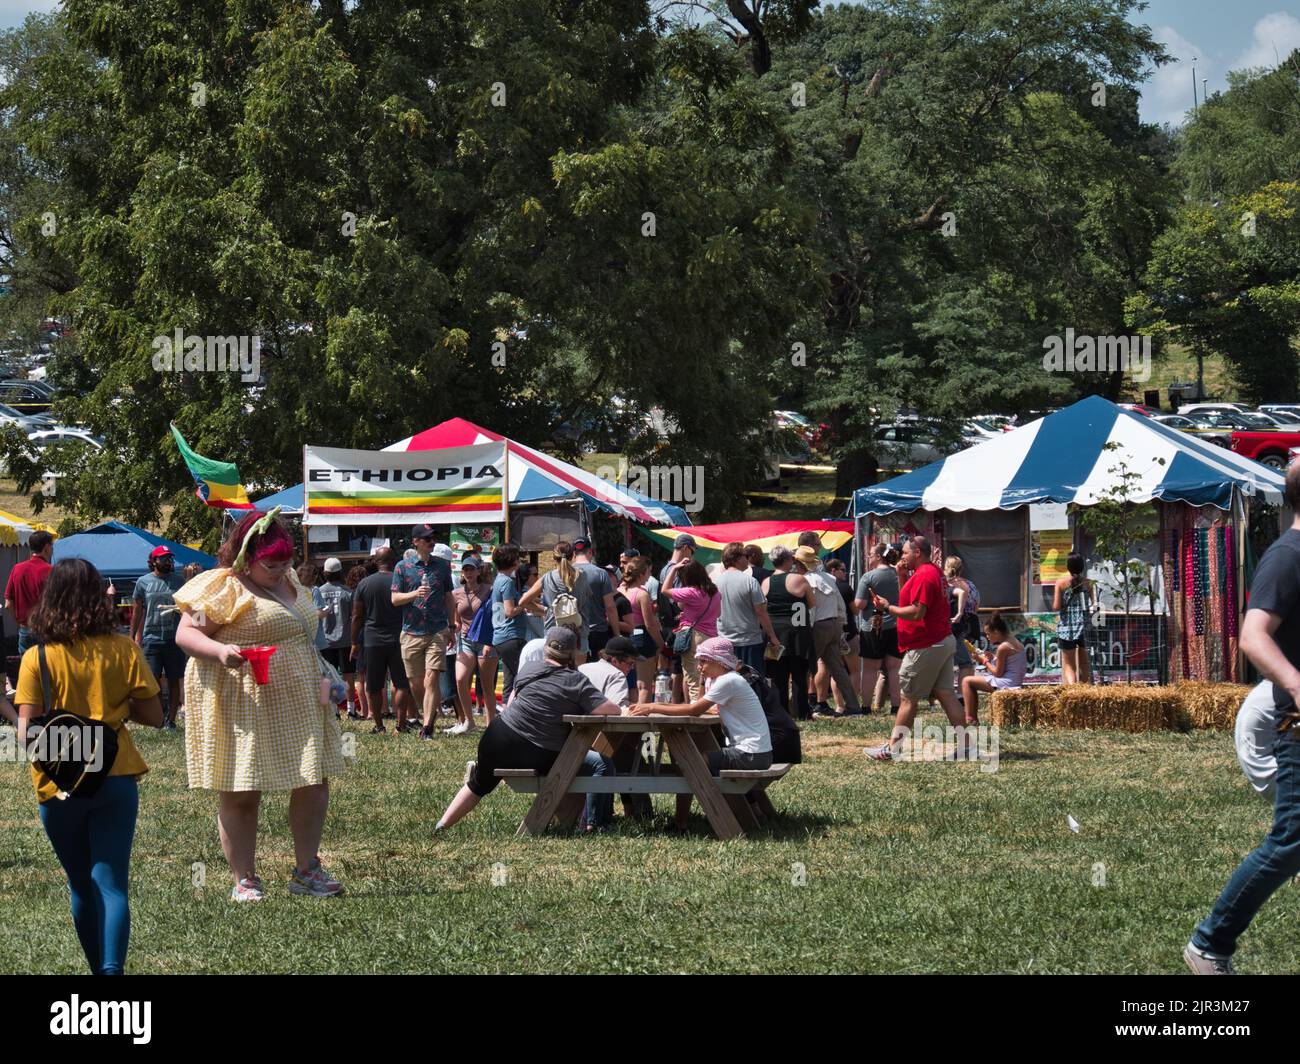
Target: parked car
(27, 397)
(1196, 408)
(1289, 410)
(1139, 408)
(1272, 449)
(1218, 436)
(26, 422)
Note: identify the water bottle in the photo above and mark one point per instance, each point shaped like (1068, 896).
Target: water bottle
(663, 686)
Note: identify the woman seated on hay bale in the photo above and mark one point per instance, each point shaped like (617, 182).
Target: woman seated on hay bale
(1006, 666)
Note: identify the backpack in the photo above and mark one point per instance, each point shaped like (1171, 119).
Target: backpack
(565, 609)
(786, 747)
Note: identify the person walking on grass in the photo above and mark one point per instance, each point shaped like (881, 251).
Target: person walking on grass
(25, 583)
(154, 621)
(336, 624)
(509, 619)
(790, 606)
(377, 625)
(470, 596)
(925, 637)
(829, 616)
(1270, 638)
(101, 675)
(422, 588)
(241, 737)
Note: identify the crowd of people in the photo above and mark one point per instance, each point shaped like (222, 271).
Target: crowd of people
(761, 640)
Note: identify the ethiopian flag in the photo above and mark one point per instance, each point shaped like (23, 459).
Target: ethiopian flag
(218, 482)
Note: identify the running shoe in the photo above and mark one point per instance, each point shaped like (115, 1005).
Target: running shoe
(315, 881)
(1202, 962)
(248, 889)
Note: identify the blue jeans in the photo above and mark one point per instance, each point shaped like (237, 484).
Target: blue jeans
(447, 680)
(600, 807)
(25, 640)
(92, 839)
(1272, 863)
(752, 654)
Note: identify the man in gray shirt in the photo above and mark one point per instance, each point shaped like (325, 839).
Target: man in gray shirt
(597, 607)
(743, 620)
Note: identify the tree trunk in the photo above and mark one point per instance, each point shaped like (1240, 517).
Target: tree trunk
(760, 53)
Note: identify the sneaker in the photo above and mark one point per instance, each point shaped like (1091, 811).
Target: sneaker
(169, 725)
(823, 709)
(1203, 963)
(248, 889)
(378, 729)
(469, 771)
(458, 729)
(427, 732)
(885, 753)
(448, 708)
(315, 881)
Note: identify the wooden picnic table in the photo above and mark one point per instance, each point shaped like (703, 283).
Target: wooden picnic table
(561, 792)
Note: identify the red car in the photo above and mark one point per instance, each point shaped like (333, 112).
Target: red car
(1139, 408)
(1272, 449)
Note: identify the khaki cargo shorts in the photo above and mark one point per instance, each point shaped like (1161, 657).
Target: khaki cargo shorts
(926, 670)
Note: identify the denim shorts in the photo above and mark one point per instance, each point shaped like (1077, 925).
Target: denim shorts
(465, 646)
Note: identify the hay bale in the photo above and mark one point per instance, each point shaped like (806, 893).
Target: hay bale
(1211, 705)
(1023, 707)
(1119, 707)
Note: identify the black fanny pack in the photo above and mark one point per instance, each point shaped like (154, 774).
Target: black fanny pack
(75, 752)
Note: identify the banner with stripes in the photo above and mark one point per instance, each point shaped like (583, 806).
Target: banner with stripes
(455, 485)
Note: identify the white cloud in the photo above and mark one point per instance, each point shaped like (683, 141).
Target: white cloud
(1274, 38)
(1167, 95)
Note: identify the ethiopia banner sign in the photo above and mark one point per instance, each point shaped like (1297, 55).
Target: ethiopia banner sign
(464, 485)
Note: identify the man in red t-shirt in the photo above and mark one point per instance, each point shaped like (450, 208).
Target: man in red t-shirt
(26, 582)
(926, 639)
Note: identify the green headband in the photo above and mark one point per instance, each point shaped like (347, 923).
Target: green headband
(259, 528)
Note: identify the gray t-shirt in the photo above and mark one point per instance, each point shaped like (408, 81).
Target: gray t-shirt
(593, 604)
(739, 593)
(545, 692)
(336, 626)
(884, 582)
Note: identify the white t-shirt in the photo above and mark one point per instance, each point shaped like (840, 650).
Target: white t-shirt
(828, 603)
(1256, 740)
(742, 713)
(534, 650)
(608, 680)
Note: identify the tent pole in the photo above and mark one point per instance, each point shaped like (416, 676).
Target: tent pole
(505, 497)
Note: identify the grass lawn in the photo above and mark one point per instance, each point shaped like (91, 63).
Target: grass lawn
(912, 867)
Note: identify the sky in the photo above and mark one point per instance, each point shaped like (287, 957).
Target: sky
(1222, 35)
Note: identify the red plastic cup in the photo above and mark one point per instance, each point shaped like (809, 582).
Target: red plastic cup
(260, 659)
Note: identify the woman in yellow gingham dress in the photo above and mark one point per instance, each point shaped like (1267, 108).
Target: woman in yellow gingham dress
(243, 738)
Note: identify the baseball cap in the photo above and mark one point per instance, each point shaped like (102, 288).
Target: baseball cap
(562, 643)
(422, 532)
(159, 552)
(582, 543)
(469, 562)
(333, 565)
(620, 647)
(684, 541)
(441, 550)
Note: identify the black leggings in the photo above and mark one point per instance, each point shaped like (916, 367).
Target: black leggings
(508, 652)
(502, 747)
(781, 672)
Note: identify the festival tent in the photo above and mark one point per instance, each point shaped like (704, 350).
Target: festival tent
(710, 539)
(121, 551)
(532, 476)
(1001, 507)
(1064, 458)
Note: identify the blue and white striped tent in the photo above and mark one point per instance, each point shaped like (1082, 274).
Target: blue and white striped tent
(1062, 458)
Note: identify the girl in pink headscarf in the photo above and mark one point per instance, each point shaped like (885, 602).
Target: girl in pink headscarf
(242, 737)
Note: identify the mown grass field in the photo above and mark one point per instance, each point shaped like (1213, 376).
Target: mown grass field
(912, 867)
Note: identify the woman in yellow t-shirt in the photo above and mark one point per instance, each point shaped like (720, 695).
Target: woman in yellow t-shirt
(96, 673)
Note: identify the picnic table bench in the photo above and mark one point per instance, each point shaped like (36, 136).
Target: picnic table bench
(733, 801)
